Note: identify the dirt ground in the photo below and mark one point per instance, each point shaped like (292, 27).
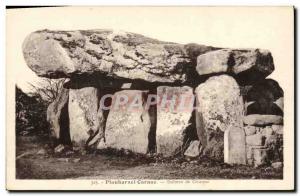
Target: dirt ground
(33, 163)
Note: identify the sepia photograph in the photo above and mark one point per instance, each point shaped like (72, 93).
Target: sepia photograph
(150, 98)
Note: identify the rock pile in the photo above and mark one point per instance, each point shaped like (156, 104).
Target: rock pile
(140, 94)
(264, 123)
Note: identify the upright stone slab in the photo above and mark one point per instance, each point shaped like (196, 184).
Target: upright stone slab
(234, 146)
(128, 127)
(219, 106)
(86, 120)
(57, 116)
(173, 118)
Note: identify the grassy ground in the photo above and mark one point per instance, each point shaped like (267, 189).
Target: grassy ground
(103, 165)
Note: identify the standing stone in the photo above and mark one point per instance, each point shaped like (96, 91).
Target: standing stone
(128, 127)
(57, 116)
(86, 120)
(234, 146)
(173, 118)
(220, 106)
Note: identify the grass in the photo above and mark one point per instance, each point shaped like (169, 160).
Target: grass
(111, 164)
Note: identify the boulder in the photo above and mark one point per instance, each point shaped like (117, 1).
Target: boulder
(193, 149)
(174, 112)
(256, 140)
(266, 98)
(86, 119)
(267, 131)
(257, 155)
(41, 152)
(250, 130)
(272, 140)
(131, 56)
(234, 146)
(262, 120)
(58, 117)
(277, 165)
(253, 63)
(260, 156)
(114, 53)
(278, 129)
(219, 106)
(249, 155)
(280, 102)
(128, 127)
(59, 148)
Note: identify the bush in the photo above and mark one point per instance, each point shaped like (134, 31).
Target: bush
(31, 114)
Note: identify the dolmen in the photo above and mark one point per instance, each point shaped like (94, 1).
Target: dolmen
(129, 92)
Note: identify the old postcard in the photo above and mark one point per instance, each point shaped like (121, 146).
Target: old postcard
(150, 98)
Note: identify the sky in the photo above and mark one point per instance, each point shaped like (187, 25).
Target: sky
(230, 27)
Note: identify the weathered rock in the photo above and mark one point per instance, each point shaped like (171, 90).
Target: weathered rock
(256, 140)
(262, 120)
(174, 112)
(277, 165)
(266, 97)
(280, 103)
(267, 131)
(219, 106)
(271, 140)
(57, 116)
(133, 56)
(128, 127)
(260, 156)
(63, 159)
(278, 129)
(41, 152)
(234, 146)
(258, 63)
(250, 130)
(193, 149)
(117, 54)
(59, 148)
(249, 155)
(76, 160)
(257, 155)
(86, 119)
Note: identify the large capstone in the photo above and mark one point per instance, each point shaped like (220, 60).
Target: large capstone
(174, 112)
(128, 124)
(219, 106)
(86, 118)
(117, 54)
(132, 56)
(58, 117)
